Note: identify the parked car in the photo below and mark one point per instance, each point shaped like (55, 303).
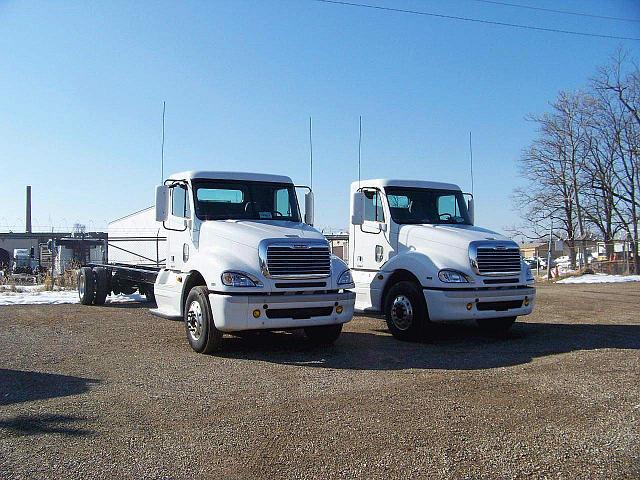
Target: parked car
(536, 262)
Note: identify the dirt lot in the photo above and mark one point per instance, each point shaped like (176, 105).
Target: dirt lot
(104, 392)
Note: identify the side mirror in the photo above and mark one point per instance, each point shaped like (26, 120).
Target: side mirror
(162, 203)
(471, 212)
(308, 208)
(357, 208)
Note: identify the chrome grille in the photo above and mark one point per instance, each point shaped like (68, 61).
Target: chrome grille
(298, 260)
(496, 259)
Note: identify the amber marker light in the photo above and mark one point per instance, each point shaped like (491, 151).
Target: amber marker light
(256, 313)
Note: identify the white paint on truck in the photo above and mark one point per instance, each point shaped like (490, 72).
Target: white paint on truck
(422, 233)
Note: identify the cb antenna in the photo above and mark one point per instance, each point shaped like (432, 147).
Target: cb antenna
(359, 150)
(162, 150)
(471, 158)
(311, 149)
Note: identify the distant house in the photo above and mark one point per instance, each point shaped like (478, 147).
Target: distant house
(339, 245)
(537, 249)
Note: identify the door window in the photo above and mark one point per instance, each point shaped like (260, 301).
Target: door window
(180, 202)
(447, 207)
(283, 205)
(373, 206)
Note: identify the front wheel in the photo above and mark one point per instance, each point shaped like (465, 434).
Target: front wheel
(202, 334)
(323, 335)
(406, 311)
(496, 325)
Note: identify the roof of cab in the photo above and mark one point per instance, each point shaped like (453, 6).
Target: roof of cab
(387, 182)
(243, 176)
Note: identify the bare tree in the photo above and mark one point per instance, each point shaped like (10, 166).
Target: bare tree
(583, 168)
(553, 165)
(618, 87)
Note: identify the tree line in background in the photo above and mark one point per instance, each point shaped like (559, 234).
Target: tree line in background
(583, 167)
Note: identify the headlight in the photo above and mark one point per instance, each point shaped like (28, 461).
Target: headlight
(452, 276)
(528, 273)
(345, 278)
(239, 279)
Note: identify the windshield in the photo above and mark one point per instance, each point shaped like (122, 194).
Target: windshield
(426, 205)
(241, 200)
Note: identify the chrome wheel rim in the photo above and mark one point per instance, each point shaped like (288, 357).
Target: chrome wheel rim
(402, 312)
(194, 320)
(81, 285)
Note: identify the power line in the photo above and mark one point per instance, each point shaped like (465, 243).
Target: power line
(475, 20)
(551, 10)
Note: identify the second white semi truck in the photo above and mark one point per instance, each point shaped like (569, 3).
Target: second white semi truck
(235, 256)
(416, 256)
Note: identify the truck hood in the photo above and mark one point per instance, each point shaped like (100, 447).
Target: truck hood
(457, 236)
(250, 232)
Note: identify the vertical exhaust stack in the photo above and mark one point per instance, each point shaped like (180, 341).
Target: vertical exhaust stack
(28, 208)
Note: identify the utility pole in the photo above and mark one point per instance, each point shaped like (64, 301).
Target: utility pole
(549, 251)
(53, 256)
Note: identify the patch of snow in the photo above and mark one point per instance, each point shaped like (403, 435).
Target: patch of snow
(601, 278)
(35, 297)
(21, 288)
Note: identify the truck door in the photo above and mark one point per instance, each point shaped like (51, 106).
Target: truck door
(371, 248)
(178, 235)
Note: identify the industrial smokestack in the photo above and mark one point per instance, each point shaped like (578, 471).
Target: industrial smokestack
(28, 208)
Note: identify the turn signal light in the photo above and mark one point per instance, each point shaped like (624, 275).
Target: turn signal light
(256, 313)
(526, 301)
(339, 309)
(469, 306)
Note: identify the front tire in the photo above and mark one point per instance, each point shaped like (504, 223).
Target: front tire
(406, 311)
(323, 335)
(496, 325)
(202, 334)
(86, 285)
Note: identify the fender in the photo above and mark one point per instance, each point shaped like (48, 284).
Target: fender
(413, 265)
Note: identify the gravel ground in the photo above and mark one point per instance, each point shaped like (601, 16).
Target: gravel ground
(112, 392)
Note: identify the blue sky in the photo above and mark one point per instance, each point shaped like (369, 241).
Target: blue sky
(82, 85)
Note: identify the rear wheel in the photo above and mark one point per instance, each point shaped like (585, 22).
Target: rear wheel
(202, 334)
(102, 285)
(406, 311)
(496, 325)
(86, 285)
(127, 289)
(151, 297)
(147, 291)
(323, 335)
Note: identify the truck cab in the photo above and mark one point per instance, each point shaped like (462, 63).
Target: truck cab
(23, 261)
(416, 256)
(240, 257)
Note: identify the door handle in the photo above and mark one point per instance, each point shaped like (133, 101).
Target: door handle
(379, 253)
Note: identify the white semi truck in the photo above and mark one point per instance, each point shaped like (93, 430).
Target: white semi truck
(235, 256)
(416, 256)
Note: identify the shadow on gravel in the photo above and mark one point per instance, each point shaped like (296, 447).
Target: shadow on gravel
(38, 424)
(128, 305)
(450, 347)
(17, 386)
